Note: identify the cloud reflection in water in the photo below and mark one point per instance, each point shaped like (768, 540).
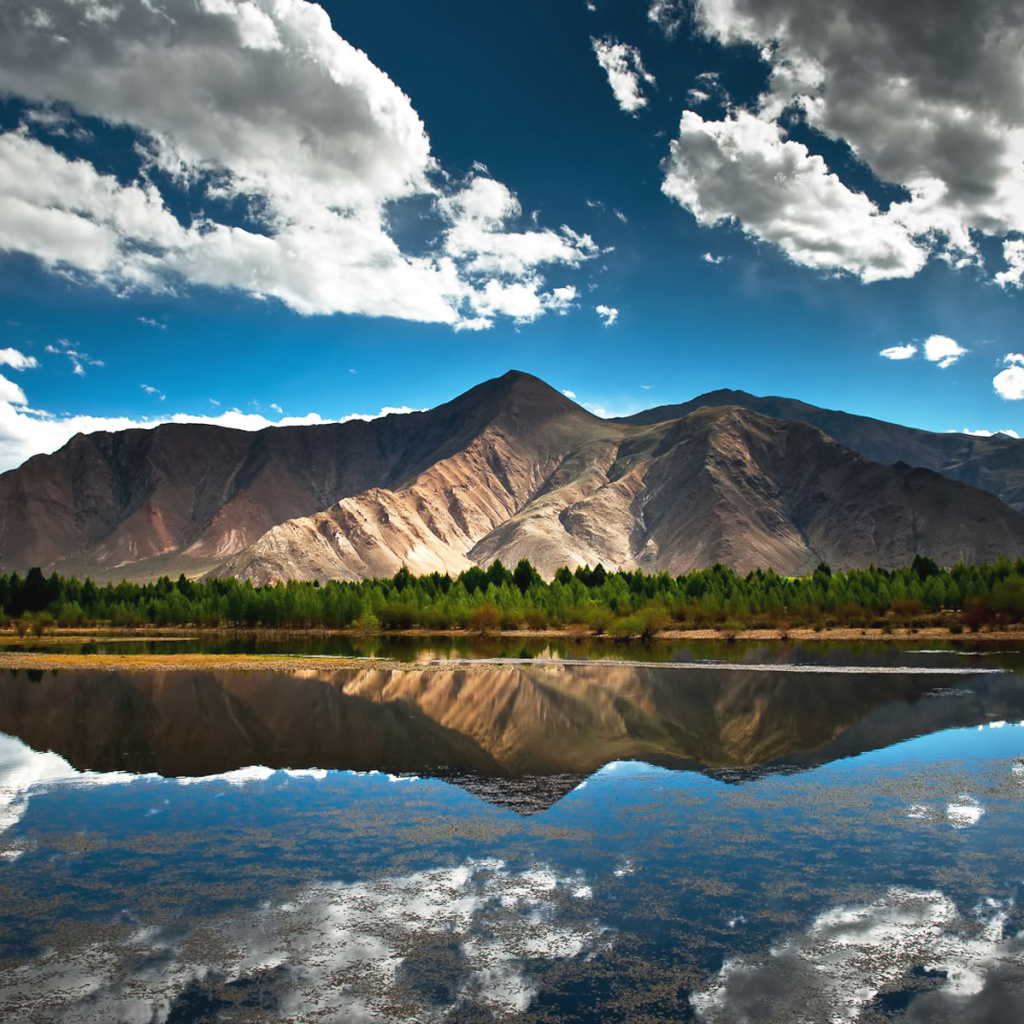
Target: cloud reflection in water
(413, 946)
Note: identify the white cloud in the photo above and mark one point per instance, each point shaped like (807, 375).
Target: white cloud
(713, 260)
(899, 352)
(850, 954)
(1013, 253)
(79, 360)
(17, 360)
(991, 433)
(927, 98)
(11, 393)
(569, 394)
(150, 322)
(942, 350)
(609, 314)
(742, 169)
(25, 432)
(668, 15)
(503, 263)
(387, 410)
(290, 121)
(626, 73)
(1009, 383)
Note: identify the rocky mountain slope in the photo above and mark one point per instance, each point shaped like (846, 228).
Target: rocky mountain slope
(183, 497)
(510, 469)
(722, 485)
(994, 464)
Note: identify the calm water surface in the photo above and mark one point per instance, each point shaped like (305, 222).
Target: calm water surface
(767, 834)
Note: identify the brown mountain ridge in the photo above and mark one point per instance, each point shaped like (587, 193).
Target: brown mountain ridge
(513, 469)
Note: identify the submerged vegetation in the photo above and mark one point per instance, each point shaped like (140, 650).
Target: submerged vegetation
(619, 604)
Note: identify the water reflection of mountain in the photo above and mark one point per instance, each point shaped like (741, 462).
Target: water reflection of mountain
(521, 736)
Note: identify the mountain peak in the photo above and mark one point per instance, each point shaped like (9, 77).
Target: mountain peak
(521, 394)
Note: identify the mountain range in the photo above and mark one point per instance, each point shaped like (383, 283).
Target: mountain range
(514, 469)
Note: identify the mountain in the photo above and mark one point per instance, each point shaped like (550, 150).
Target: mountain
(510, 469)
(721, 485)
(994, 464)
(183, 497)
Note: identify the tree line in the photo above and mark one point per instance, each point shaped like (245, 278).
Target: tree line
(617, 603)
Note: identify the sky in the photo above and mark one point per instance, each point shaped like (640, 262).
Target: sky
(267, 211)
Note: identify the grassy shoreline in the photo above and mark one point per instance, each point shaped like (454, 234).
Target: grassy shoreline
(292, 662)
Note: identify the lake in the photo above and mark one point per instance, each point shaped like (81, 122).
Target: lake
(766, 833)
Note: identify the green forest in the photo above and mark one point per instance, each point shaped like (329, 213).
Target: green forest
(619, 604)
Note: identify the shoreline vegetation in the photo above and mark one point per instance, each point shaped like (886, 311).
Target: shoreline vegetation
(918, 600)
(32, 659)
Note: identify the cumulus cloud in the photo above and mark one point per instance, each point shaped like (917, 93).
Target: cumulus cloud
(743, 170)
(626, 73)
(569, 394)
(290, 122)
(17, 360)
(851, 954)
(1009, 383)
(10, 393)
(502, 262)
(150, 390)
(713, 260)
(609, 314)
(927, 99)
(1013, 253)
(942, 350)
(899, 352)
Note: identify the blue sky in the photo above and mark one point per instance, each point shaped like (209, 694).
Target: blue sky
(256, 210)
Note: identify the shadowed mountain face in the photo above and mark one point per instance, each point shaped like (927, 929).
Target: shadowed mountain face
(994, 464)
(516, 735)
(512, 469)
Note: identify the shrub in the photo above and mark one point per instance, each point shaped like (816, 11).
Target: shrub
(908, 608)
(511, 619)
(485, 617)
(977, 611)
(536, 619)
(599, 619)
(625, 628)
(646, 623)
(41, 623)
